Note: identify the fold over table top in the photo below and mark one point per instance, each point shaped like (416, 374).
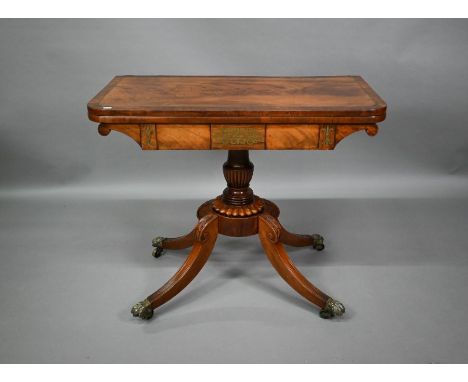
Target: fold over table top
(225, 99)
(237, 113)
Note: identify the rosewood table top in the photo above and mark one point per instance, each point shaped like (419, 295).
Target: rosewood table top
(237, 113)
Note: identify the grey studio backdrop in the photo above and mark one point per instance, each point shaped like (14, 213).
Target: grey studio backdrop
(78, 211)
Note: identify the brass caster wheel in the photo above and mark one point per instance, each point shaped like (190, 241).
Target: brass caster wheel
(318, 242)
(142, 310)
(158, 250)
(332, 308)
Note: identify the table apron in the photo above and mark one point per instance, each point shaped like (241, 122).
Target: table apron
(151, 136)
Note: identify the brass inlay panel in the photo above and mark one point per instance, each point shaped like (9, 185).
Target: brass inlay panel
(148, 133)
(148, 137)
(327, 137)
(238, 136)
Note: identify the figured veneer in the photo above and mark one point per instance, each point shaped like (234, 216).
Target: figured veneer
(292, 137)
(183, 137)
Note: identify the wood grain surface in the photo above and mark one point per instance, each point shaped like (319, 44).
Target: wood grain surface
(184, 137)
(292, 137)
(211, 99)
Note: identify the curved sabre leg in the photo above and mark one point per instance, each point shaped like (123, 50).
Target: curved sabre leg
(296, 240)
(269, 231)
(160, 244)
(205, 237)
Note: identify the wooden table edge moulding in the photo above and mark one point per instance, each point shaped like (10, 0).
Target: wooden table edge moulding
(237, 114)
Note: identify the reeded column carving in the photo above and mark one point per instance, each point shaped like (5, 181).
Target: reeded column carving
(238, 171)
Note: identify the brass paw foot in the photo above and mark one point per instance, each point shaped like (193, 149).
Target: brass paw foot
(318, 242)
(158, 250)
(143, 310)
(332, 308)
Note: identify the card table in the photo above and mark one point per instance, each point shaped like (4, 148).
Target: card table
(237, 114)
